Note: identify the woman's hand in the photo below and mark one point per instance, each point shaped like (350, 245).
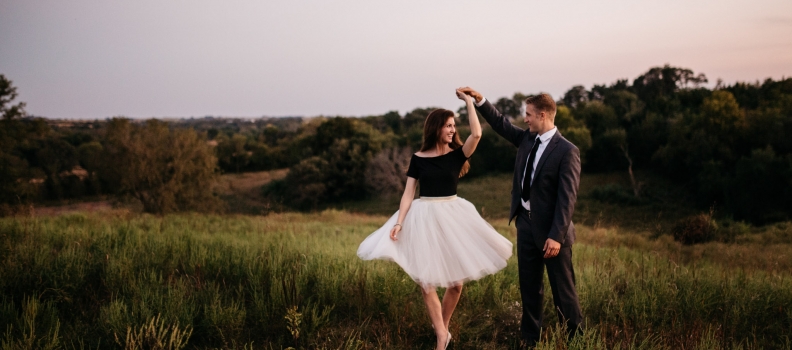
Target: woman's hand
(395, 231)
(463, 96)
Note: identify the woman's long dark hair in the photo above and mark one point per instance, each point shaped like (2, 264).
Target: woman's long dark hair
(433, 126)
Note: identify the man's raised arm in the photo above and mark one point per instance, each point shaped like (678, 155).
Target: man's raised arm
(496, 120)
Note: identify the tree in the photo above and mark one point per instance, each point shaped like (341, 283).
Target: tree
(166, 170)
(336, 172)
(232, 153)
(393, 120)
(618, 137)
(762, 186)
(416, 117)
(7, 94)
(57, 158)
(16, 188)
(658, 86)
(574, 130)
(508, 107)
(575, 96)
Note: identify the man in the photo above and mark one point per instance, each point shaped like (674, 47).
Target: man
(544, 192)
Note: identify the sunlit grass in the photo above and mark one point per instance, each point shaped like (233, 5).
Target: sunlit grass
(294, 280)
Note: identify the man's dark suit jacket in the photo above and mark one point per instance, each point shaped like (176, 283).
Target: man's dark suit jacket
(555, 183)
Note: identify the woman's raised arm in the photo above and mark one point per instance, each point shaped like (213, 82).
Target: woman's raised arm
(475, 126)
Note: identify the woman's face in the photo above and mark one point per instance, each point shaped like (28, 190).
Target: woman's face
(448, 131)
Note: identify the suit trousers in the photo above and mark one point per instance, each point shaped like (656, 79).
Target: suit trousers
(531, 264)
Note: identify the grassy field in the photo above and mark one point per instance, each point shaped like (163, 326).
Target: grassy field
(113, 279)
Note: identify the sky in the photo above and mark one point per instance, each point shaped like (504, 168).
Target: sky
(94, 59)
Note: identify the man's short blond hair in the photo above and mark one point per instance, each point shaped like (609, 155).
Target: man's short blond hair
(543, 103)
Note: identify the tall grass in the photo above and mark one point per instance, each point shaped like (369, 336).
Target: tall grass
(113, 280)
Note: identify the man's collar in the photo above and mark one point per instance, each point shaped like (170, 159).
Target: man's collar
(548, 135)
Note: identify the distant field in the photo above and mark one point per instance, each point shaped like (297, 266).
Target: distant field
(242, 192)
(100, 280)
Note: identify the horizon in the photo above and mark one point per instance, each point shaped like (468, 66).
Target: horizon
(709, 85)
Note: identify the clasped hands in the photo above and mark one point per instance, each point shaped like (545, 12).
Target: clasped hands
(463, 96)
(467, 91)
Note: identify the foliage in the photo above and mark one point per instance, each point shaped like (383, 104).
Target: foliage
(386, 173)
(695, 229)
(35, 327)
(343, 149)
(166, 170)
(718, 142)
(728, 145)
(15, 187)
(155, 335)
(493, 154)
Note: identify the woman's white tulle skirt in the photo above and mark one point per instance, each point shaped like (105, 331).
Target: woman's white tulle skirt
(443, 242)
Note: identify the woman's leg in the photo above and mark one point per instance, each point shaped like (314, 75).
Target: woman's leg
(450, 300)
(436, 315)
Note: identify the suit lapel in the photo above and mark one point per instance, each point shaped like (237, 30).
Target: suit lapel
(546, 153)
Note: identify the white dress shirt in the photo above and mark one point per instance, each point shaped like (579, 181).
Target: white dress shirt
(545, 138)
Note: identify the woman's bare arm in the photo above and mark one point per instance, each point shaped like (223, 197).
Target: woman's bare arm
(404, 205)
(475, 126)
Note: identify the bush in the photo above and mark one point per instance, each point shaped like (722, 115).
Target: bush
(166, 170)
(337, 170)
(729, 230)
(386, 172)
(695, 229)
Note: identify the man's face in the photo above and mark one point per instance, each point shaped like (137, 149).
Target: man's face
(533, 118)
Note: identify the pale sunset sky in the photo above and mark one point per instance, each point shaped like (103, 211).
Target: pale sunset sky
(93, 59)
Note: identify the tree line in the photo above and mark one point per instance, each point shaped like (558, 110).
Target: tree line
(728, 146)
(725, 145)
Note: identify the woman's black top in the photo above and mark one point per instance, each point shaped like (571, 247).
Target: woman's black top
(439, 175)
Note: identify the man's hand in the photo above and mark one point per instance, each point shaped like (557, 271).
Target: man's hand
(551, 248)
(475, 94)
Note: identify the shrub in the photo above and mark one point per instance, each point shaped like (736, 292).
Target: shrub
(695, 229)
(386, 172)
(166, 170)
(729, 230)
(336, 172)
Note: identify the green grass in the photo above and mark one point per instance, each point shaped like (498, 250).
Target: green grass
(111, 279)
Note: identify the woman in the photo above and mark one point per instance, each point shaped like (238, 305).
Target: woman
(440, 240)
